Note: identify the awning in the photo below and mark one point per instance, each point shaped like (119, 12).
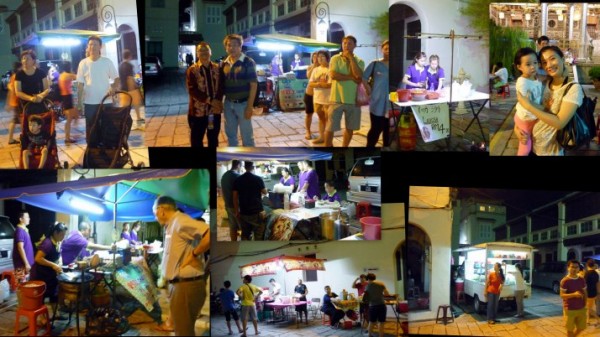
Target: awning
(302, 44)
(122, 197)
(77, 34)
(288, 263)
(278, 153)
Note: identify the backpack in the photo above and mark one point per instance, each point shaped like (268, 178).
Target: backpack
(582, 127)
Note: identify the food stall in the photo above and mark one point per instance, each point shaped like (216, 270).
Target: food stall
(290, 87)
(480, 260)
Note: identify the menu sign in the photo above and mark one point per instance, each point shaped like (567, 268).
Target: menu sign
(433, 121)
(291, 93)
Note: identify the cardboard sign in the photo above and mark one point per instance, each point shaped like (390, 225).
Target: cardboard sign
(291, 93)
(433, 121)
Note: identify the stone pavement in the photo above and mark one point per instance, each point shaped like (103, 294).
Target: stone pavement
(71, 154)
(503, 140)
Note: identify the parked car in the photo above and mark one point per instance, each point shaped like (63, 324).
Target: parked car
(7, 234)
(5, 80)
(152, 66)
(549, 274)
(364, 181)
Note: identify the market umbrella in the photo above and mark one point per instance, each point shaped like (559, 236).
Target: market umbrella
(273, 265)
(302, 43)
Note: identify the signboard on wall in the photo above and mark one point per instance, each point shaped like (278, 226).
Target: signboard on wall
(433, 121)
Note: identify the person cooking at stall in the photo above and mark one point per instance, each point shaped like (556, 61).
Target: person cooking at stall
(276, 289)
(125, 232)
(301, 176)
(297, 62)
(135, 228)
(22, 249)
(76, 245)
(331, 194)
(286, 178)
(47, 263)
(311, 186)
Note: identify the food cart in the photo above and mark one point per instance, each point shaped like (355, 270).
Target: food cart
(480, 260)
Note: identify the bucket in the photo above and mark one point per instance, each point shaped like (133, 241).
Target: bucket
(31, 295)
(407, 133)
(460, 286)
(327, 221)
(402, 306)
(403, 95)
(371, 227)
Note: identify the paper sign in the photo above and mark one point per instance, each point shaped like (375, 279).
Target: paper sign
(433, 121)
(291, 93)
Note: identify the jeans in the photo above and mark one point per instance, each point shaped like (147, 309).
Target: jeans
(234, 118)
(492, 306)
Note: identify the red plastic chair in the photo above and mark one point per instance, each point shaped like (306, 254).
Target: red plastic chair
(505, 90)
(32, 316)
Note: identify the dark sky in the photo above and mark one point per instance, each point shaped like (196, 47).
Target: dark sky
(517, 202)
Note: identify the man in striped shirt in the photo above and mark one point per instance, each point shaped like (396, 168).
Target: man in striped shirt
(240, 84)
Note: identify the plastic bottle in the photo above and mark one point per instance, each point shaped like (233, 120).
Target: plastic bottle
(211, 121)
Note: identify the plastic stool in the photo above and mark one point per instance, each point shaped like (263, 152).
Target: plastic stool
(505, 90)
(460, 296)
(363, 209)
(444, 319)
(12, 280)
(325, 319)
(32, 316)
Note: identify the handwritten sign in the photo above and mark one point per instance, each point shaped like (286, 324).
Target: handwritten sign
(291, 93)
(433, 121)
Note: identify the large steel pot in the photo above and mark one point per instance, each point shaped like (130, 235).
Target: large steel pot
(327, 221)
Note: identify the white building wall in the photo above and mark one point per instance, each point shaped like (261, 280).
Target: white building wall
(126, 14)
(431, 211)
(439, 17)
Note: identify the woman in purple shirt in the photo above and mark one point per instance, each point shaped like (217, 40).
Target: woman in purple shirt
(125, 232)
(286, 178)
(22, 249)
(331, 193)
(46, 265)
(311, 187)
(435, 74)
(134, 230)
(301, 176)
(416, 76)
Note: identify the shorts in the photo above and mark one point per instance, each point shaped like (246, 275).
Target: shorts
(234, 224)
(377, 313)
(334, 117)
(308, 103)
(249, 312)
(231, 313)
(576, 318)
(67, 101)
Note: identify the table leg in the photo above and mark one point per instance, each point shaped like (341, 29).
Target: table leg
(476, 117)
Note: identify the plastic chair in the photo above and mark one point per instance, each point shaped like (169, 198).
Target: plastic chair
(325, 319)
(32, 316)
(445, 319)
(363, 209)
(315, 307)
(505, 90)
(12, 280)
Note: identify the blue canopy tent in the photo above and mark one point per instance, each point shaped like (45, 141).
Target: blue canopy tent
(277, 153)
(121, 197)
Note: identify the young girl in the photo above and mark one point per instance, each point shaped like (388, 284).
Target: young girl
(416, 76)
(435, 74)
(527, 85)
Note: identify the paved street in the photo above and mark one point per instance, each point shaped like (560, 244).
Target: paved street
(501, 122)
(72, 154)
(543, 317)
(166, 117)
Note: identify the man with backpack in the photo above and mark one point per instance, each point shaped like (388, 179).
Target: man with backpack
(248, 294)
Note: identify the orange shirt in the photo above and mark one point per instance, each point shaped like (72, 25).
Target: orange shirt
(65, 84)
(494, 282)
(12, 96)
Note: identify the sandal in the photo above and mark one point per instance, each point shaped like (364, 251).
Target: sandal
(309, 137)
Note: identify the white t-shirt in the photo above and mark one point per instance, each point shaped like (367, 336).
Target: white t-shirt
(544, 135)
(503, 74)
(96, 77)
(321, 95)
(519, 282)
(535, 88)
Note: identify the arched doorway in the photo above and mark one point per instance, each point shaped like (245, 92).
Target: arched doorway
(418, 268)
(128, 41)
(337, 33)
(403, 21)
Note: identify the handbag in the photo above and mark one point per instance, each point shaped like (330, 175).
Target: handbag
(581, 128)
(362, 98)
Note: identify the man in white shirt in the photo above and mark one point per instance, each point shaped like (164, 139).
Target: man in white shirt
(93, 81)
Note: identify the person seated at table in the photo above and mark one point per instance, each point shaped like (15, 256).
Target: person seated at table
(331, 194)
(499, 76)
(286, 178)
(75, 246)
(374, 296)
(135, 228)
(301, 290)
(276, 289)
(329, 309)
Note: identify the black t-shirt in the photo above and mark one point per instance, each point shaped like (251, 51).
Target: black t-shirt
(591, 278)
(125, 70)
(300, 289)
(31, 84)
(249, 187)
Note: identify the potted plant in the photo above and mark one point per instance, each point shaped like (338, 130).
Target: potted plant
(594, 74)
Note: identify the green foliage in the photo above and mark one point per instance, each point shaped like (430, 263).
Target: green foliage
(594, 73)
(381, 24)
(504, 43)
(478, 13)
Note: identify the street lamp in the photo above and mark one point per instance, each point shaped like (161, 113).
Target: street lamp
(107, 13)
(323, 27)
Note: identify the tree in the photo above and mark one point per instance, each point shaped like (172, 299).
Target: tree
(381, 25)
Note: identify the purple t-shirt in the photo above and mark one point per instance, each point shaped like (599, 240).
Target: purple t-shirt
(134, 237)
(415, 76)
(73, 247)
(571, 285)
(433, 80)
(313, 184)
(301, 180)
(126, 236)
(334, 197)
(289, 182)
(21, 235)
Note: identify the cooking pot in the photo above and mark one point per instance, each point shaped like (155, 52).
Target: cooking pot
(69, 285)
(403, 95)
(327, 221)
